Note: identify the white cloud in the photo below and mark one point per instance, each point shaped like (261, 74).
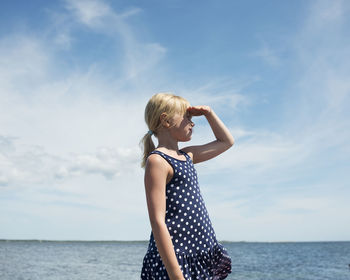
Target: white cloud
(32, 166)
(90, 12)
(97, 14)
(303, 213)
(288, 184)
(326, 14)
(139, 57)
(224, 95)
(69, 147)
(268, 54)
(108, 162)
(23, 61)
(69, 155)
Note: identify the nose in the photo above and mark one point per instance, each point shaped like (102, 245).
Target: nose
(192, 123)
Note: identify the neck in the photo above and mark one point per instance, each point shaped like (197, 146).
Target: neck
(167, 142)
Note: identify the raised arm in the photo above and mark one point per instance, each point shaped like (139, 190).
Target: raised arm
(156, 172)
(224, 139)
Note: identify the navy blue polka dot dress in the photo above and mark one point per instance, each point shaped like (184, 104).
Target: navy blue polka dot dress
(199, 254)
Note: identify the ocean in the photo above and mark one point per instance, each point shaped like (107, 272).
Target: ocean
(107, 260)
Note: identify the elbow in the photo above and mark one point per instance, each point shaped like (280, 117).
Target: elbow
(227, 143)
(156, 223)
(230, 142)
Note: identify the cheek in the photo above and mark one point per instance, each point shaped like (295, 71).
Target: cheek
(182, 124)
(189, 123)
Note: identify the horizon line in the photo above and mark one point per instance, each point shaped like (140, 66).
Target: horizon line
(142, 241)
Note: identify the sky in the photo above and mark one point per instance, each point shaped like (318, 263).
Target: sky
(75, 77)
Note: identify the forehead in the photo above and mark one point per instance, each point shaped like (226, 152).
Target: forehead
(185, 113)
(182, 111)
(180, 115)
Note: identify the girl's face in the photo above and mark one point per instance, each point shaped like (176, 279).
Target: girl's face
(181, 128)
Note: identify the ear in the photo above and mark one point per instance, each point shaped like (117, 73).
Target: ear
(164, 121)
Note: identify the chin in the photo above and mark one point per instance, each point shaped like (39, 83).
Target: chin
(186, 139)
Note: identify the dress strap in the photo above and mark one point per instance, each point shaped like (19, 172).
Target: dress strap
(165, 156)
(189, 159)
(185, 154)
(171, 158)
(158, 153)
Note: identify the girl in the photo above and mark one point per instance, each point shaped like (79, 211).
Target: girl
(182, 244)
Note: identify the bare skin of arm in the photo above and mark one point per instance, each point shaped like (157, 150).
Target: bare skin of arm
(224, 139)
(157, 173)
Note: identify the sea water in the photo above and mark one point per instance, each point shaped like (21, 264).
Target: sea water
(88, 260)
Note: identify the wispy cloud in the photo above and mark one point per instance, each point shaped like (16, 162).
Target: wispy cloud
(23, 61)
(223, 94)
(108, 162)
(270, 169)
(32, 166)
(70, 131)
(99, 16)
(90, 12)
(65, 146)
(268, 55)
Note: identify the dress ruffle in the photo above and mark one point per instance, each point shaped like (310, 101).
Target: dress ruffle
(214, 264)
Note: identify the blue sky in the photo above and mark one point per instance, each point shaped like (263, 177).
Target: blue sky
(75, 77)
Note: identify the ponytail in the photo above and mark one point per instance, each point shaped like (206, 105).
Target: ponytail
(148, 147)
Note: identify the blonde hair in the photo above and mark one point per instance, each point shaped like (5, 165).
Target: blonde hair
(159, 103)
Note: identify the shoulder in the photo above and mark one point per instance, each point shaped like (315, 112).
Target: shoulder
(156, 170)
(156, 161)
